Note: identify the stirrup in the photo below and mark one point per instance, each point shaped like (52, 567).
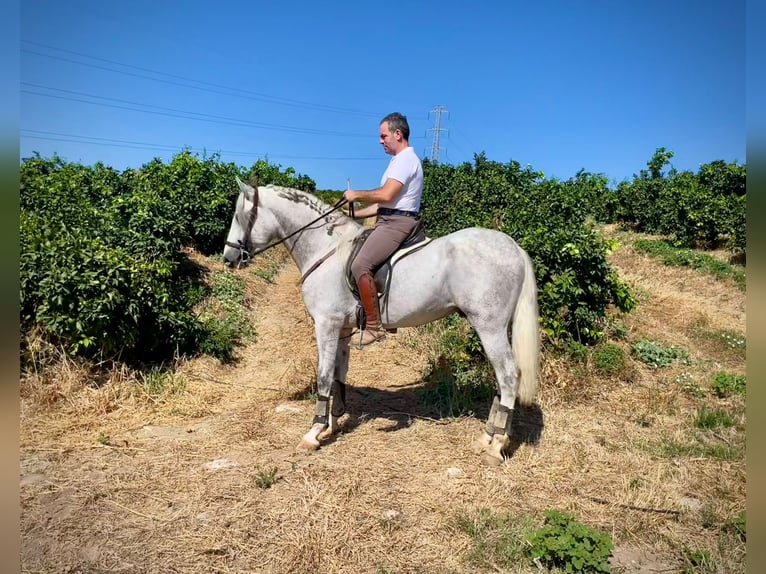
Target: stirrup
(373, 336)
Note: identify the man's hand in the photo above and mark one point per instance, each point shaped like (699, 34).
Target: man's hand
(351, 195)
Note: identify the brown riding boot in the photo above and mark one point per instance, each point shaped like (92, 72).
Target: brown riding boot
(368, 293)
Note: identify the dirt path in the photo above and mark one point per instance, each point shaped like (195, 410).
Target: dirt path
(113, 482)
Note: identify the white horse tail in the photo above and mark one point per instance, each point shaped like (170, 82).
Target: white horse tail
(525, 337)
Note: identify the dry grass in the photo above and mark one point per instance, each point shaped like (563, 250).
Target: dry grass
(117, 479)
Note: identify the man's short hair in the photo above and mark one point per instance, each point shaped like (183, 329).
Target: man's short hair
(397, 121)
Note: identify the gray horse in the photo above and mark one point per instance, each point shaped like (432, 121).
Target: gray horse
(480, 273)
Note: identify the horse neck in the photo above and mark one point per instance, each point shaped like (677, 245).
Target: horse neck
(294, 209)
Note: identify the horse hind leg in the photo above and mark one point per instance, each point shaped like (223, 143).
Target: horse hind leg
(495, 438)
(501, 436)
(484, 439)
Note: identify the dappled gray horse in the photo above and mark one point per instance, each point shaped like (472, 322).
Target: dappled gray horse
(479, 273)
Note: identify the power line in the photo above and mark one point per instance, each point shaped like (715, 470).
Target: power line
(127, 144)
(175, 113)
(220, 89)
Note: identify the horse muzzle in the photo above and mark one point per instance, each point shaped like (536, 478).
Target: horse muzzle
(235, 255)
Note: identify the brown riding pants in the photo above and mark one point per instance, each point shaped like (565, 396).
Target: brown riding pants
(389, 233)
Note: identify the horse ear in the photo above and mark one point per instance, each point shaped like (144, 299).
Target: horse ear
(245, 188)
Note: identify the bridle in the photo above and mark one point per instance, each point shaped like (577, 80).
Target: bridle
(244, 245)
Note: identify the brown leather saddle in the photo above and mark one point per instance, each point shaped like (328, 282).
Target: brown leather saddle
(415, 241)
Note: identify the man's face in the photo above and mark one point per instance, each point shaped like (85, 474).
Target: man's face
(389, 139)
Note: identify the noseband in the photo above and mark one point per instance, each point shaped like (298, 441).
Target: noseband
(244, 245)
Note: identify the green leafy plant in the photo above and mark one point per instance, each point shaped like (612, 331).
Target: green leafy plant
(656, 355)
(727, 384)
(706, 209)
(551, 220)
(618, 329)
(224, 317)
(565, 543)
(103, 272)
(269, 272)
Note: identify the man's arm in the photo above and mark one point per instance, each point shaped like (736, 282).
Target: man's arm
(382, 194)
(367, 211)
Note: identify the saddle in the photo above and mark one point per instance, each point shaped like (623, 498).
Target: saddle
(415, 241)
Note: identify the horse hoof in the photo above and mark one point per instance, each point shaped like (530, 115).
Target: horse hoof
(490, 460)
(480, 444)
(308, 446)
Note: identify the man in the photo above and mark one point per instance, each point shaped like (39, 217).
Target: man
(397, 204)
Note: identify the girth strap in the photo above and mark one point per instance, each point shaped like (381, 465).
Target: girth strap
(321, 260)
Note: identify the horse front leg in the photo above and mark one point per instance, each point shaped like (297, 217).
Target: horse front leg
(330, 366)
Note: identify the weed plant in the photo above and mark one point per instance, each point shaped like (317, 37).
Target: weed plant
(727, 384)
(656, 355)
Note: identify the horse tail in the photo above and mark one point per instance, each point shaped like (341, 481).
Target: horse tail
(525, 336)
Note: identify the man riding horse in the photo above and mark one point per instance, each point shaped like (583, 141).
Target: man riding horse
(397, 204)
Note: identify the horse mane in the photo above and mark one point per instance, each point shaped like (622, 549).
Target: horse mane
(341, 228)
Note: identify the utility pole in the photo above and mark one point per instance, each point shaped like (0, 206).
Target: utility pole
(438, 110)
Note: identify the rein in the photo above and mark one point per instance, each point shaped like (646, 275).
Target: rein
(243, 245)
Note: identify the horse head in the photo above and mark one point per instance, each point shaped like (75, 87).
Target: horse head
(244, 235)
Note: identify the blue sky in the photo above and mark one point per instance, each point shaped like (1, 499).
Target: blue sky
(559, 85)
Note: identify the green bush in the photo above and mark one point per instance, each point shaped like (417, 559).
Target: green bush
(84, 283)
(102, 270)
(459, 376)
(706, 209)
(565, 543)
(551, 220)
(265, 173)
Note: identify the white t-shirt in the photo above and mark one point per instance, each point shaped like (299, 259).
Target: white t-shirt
(406, 168)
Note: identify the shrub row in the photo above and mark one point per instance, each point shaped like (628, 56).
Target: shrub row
(102, 269)
(704, 209)
(551, 220)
